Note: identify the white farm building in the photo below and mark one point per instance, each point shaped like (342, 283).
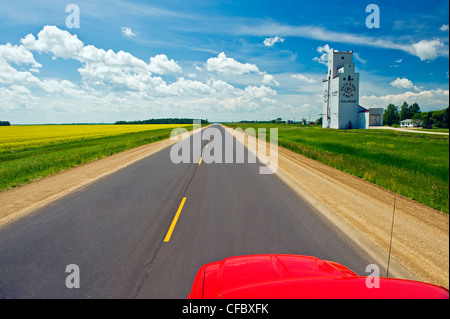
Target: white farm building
(341, 109)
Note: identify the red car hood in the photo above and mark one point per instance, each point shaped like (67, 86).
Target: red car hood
(291, 276)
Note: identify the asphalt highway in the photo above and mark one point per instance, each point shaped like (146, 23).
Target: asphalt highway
(144, 231)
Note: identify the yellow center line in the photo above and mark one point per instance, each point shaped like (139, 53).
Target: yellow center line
(174, 221)
(201, 159)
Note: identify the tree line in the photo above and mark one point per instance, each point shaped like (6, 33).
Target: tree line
(432, 119)
(5, 123)
(162, 121)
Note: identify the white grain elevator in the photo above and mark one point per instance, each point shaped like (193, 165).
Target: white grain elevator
(341, 109)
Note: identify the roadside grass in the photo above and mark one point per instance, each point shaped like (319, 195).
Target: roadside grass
(411, 164)
(437, 130)
(37, 157)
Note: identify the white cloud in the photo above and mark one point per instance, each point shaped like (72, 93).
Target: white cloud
(126, 31)
(402, 83)
(53, 40)
(11, 76)
(358, 58)
(118, 85)
(223, 64)
(162, 65)
(270, 80)
(183, 87)
(444, 28)
(427, 99)
(17, 54)
(100, 67)
(223, 87)
(269, 42)
(424, 49)
(259, 92)
(427, 49)
(324, 50)
(303, 78)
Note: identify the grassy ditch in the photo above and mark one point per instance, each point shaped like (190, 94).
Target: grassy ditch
(411, 164)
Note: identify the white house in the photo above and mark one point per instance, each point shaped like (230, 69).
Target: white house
(341, 109)
(410, 123)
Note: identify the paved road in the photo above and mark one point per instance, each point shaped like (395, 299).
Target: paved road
(114, 231)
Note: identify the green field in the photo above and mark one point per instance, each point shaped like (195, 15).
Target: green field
(32, 152)
(411, 164)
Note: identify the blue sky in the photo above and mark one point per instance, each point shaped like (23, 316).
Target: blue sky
(220, 60)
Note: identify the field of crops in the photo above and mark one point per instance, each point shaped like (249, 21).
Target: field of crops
(31, 152)
(27, 136)
(411, 164)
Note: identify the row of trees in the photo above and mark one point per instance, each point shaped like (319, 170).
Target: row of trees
(394, 115)
(5, 123)
(162, 121)
(435, 119)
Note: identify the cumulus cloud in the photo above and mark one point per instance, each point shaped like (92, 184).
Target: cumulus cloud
(269, 42)
(102, 67)
(162, 65)
(18, 54)
(444, 28)
(259, 92)
(221, 86)
(427, 49)
(118, 84)
(303, 78)
(403, 83)
(324, 51)
(427, 99)
(270, 80)
(185, 87)
(51, 39)
(11, 76)
(223, 64)
(128, 32)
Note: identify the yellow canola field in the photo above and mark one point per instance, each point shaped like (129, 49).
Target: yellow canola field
(22, 136)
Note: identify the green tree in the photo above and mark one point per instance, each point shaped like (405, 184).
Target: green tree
(391, 115)
(427, 120)
(404, 112)
(445, 119)
(414, 109)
